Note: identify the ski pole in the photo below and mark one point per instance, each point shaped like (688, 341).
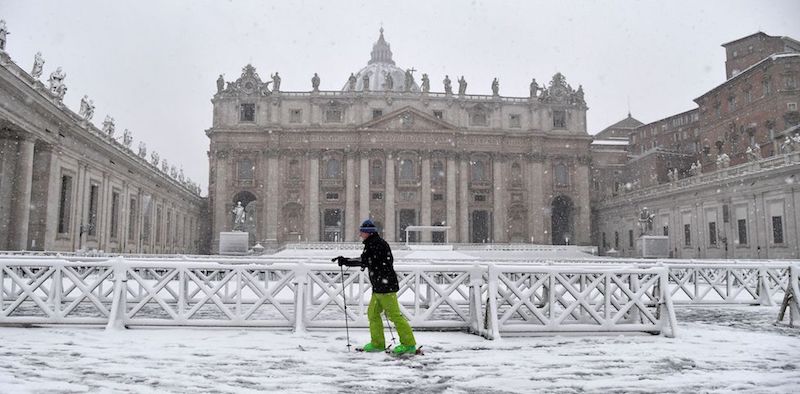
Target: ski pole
(390, 327)
(344, 297)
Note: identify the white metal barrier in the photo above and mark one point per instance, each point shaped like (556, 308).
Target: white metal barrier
(304, 295)
(561, 299)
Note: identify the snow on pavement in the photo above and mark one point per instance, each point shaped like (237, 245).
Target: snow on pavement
(719, 349)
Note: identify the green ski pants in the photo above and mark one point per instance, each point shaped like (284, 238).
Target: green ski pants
(387, 302)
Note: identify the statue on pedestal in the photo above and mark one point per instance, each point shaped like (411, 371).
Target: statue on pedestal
(409, 79)
(57, 87)
(164, 166)
(142, 149)
(315, 82)
(87, 108)
(127, 138)
(154, 159)
(534, 88)
(38, 65)
(366, 83)
(3, 34)
(108, 126)
(646, 221)
(276, 82)
(462, 86)
(448, 86)
(351, 82)
(495, 87)
(388, 81)
(238, 217)
(220, 84)
(426, 83)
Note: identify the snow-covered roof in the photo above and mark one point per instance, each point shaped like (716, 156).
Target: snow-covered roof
(619, 142)
(770, 58)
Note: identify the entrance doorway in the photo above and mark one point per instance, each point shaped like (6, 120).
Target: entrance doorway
(480, 226)
(562, 225)
(408, 217)
(332, 225)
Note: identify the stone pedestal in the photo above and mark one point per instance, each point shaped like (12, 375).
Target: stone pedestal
(653, 246)
(233, 243)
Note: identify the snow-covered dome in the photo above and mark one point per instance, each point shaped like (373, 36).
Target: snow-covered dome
(380, 65)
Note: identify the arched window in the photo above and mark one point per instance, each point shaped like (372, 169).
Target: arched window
(406, 169)
(516, 173)
(478, 171)
(376, 172)
(333, 168)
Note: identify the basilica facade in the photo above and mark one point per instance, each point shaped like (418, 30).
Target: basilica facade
(311, 165)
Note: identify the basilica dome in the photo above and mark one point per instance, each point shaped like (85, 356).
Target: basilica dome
(379, 67)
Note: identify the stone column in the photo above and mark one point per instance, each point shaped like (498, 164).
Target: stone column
(536, 201)
(79, 206)
(389, 212)
(363, 188)
(272, 203)
(453, 233)
(498, 196)
(220, 213)
(426, 195)
(21, 197)
(582, 227)
(463, 206)
(350, 199)
(312, 207)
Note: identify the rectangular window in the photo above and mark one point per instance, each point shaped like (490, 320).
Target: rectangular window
(147, 221)
(514, 122)
(712, 233)
(665, 231)
(438, 114)
(377, 196)
(334, 115)
(296, 116)
(246, 169)
(630, 238)
(65, 204)
(169, 227)
(247, 112)
(559, 119)
(94, 196)
(790, 82)
(438, 197)
(741, 226)
(766, 87)
(777, 229)
(731, 103)
(158, 225)
(791, 106)
(132, 220)
(331, 196)
(377, 113)
(687, 234)
(480, 197)
(114, 214)
(616, 240)
(605, 245)
(478, 118)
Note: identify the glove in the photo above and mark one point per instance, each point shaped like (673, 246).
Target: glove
(340, 260)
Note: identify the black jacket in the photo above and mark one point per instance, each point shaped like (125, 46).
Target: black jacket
(377, 258)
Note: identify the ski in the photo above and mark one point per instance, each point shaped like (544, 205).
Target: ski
(417, 352)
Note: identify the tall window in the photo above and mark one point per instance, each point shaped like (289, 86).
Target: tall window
(294, 169)
(559, 119)
(777, 229)
(616, 240)
(334, 115)
(478, 118)
(169, 227)
(246, 169)
(158, 225)
(147, 221)
(296, 116)
(247, 112)
(561, 174)
(630, 238)
(376, 172)
(94, 191)
(514, 121)
(712, 233)
(132, 220)
(65, 204)
(437, 172)
(687, 235)
(407, 169)
(114, 214)
(333, 168)
(741, 226)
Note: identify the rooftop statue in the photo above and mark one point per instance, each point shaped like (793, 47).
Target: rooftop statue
(142, 149)
(154, 159)
(276, 82)
(448, 86)
(462, 86)
(220, 84)
(388, 82)
(57, 87)
(38, 65)
(426, 83)
(108, 126)
(164, 165)
(351, 82)
(495, 87)
(3, 34)
(315, 82)
(127, 138)
(534, 88)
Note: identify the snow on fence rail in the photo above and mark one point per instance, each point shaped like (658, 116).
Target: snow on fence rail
(304, 295)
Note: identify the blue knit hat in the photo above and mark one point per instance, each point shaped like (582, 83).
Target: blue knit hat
(368, 227)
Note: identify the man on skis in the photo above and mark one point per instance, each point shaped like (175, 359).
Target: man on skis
(377, 258)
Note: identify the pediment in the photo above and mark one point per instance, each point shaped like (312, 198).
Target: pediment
(407, 118)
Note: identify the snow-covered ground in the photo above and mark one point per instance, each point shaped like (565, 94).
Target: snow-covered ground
(719, 349)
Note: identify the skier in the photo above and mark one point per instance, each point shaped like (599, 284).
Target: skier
(377, 257)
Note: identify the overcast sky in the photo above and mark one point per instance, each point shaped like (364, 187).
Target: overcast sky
(152, 65)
